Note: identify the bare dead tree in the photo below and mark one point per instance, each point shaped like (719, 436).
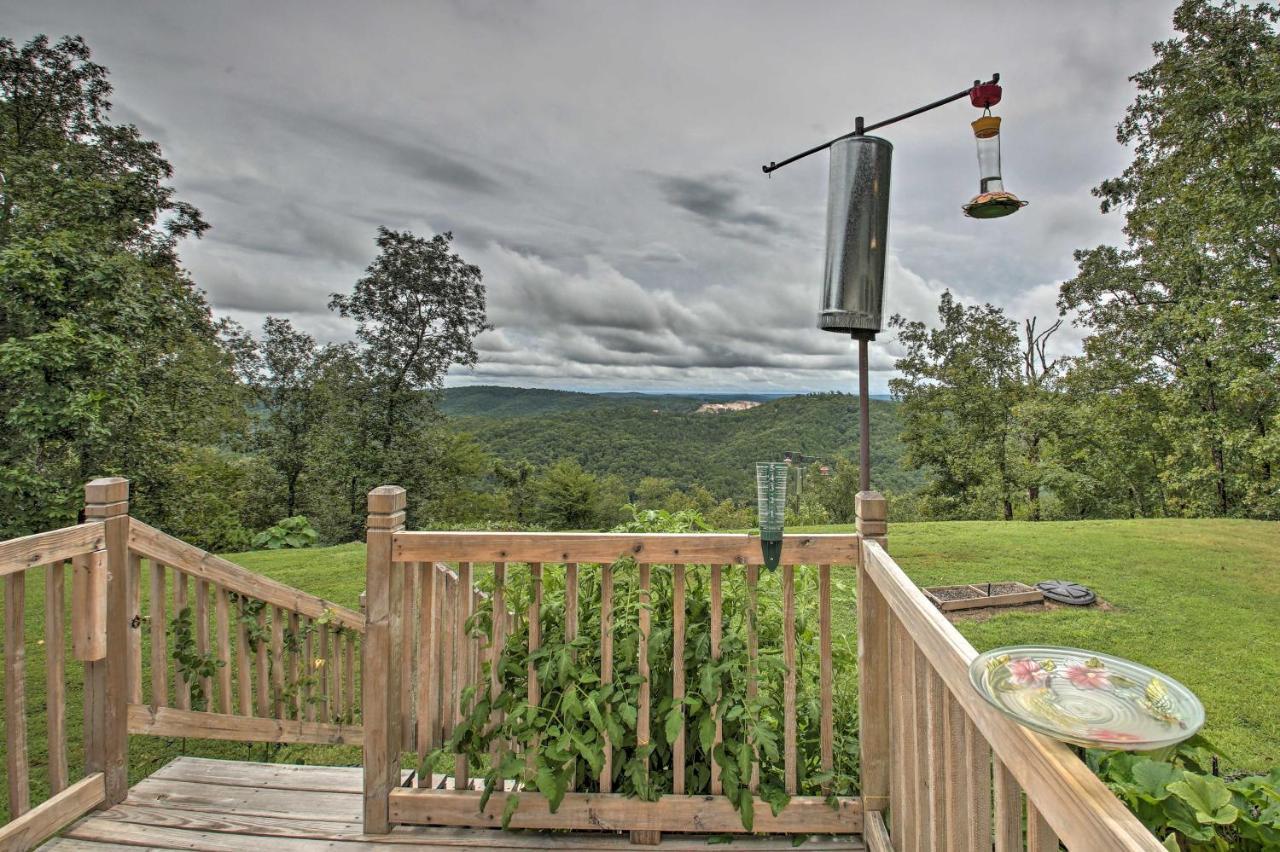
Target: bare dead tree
(1036, 364)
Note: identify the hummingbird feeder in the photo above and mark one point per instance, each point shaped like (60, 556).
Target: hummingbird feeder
(992, 201)
(771, 493)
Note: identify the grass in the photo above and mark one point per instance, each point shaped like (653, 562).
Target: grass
(1199, 600)
(1196, 599)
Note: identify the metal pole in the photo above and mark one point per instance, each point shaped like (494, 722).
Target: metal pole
(864, 420)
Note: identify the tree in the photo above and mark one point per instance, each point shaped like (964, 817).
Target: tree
(836, 491)
(417, 309)
(515, 479)
(104, 342)
(1193, 299)
(285, 384)
(958, 385)
(568, 498)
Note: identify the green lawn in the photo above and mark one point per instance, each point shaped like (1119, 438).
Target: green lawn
(1199, 600)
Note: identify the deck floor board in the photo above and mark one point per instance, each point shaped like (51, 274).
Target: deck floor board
(204, 805)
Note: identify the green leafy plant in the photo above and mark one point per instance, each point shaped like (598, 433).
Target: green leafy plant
(290, 532)
(561, 741)
(193, 666)
(1183, 802)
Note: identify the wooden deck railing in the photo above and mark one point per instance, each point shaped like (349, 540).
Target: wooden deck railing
(205, 649)
(950, 770)
(270, 664)
(85, 547)
(448, 659)
(277, 664)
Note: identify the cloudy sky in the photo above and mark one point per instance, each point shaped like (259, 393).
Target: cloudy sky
(601, 162)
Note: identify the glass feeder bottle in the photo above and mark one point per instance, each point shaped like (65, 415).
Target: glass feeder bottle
(987, 132)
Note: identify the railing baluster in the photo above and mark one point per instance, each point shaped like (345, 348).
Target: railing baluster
(789, 759)
(936, 780)
(264, 687)
(535, 636)
(826, 674)
(571, 601)
(977, 783)
(428, 670)
(244, 681)
(753, 686)
(449, 656)
(181, 684)
(222, 618)
(322, 674)
(134, 670)
(717, 619)
(606, 663)
(55, 626)
(920, 739)
(349, 671)
(335, 694)
(297, 664)
(15, 691)
(159, 637)
(202, 638)
(439, 641)
(461, 775)
(677, 676)
(1008, 803)
(308, 668)
(646, 692)
(277, 661)
(497, 638)
(408, 657)
(1040, 837)
(902, 751)
(954, 775)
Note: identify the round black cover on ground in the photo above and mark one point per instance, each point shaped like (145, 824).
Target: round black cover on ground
(1064, 591)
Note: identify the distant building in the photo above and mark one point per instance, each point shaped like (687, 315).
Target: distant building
(721, 407)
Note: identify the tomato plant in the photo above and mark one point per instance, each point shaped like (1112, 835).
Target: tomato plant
(559, 743)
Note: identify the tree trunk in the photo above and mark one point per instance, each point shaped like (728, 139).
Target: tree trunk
(1033, 499)
(1008, 509)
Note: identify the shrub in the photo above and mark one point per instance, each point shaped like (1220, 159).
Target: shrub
(1184, 803)
(290, 532)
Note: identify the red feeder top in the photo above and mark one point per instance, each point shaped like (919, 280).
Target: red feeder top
(985, 95)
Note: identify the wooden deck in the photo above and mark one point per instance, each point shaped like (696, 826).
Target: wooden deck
(233, 806)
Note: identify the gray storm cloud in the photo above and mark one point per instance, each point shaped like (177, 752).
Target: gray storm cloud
(600, 162)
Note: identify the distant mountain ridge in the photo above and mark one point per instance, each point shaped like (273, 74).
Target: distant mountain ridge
(634, 435)
(503, 401)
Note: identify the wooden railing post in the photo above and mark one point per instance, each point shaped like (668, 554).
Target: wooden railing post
(381, 668)
(873, 660)
(106, 700)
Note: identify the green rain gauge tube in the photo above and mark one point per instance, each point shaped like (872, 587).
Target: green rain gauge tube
(771, 491)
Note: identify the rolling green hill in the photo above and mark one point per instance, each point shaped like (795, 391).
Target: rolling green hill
(497, 401)
(634, 436)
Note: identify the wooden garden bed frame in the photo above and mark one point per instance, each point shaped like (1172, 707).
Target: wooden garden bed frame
(939, 766)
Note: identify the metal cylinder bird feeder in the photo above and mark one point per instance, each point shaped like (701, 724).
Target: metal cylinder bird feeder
(857, 235)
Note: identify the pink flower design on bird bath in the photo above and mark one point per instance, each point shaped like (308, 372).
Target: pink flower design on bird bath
(1088, 677)
(1109, 736)
(1027, 672)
